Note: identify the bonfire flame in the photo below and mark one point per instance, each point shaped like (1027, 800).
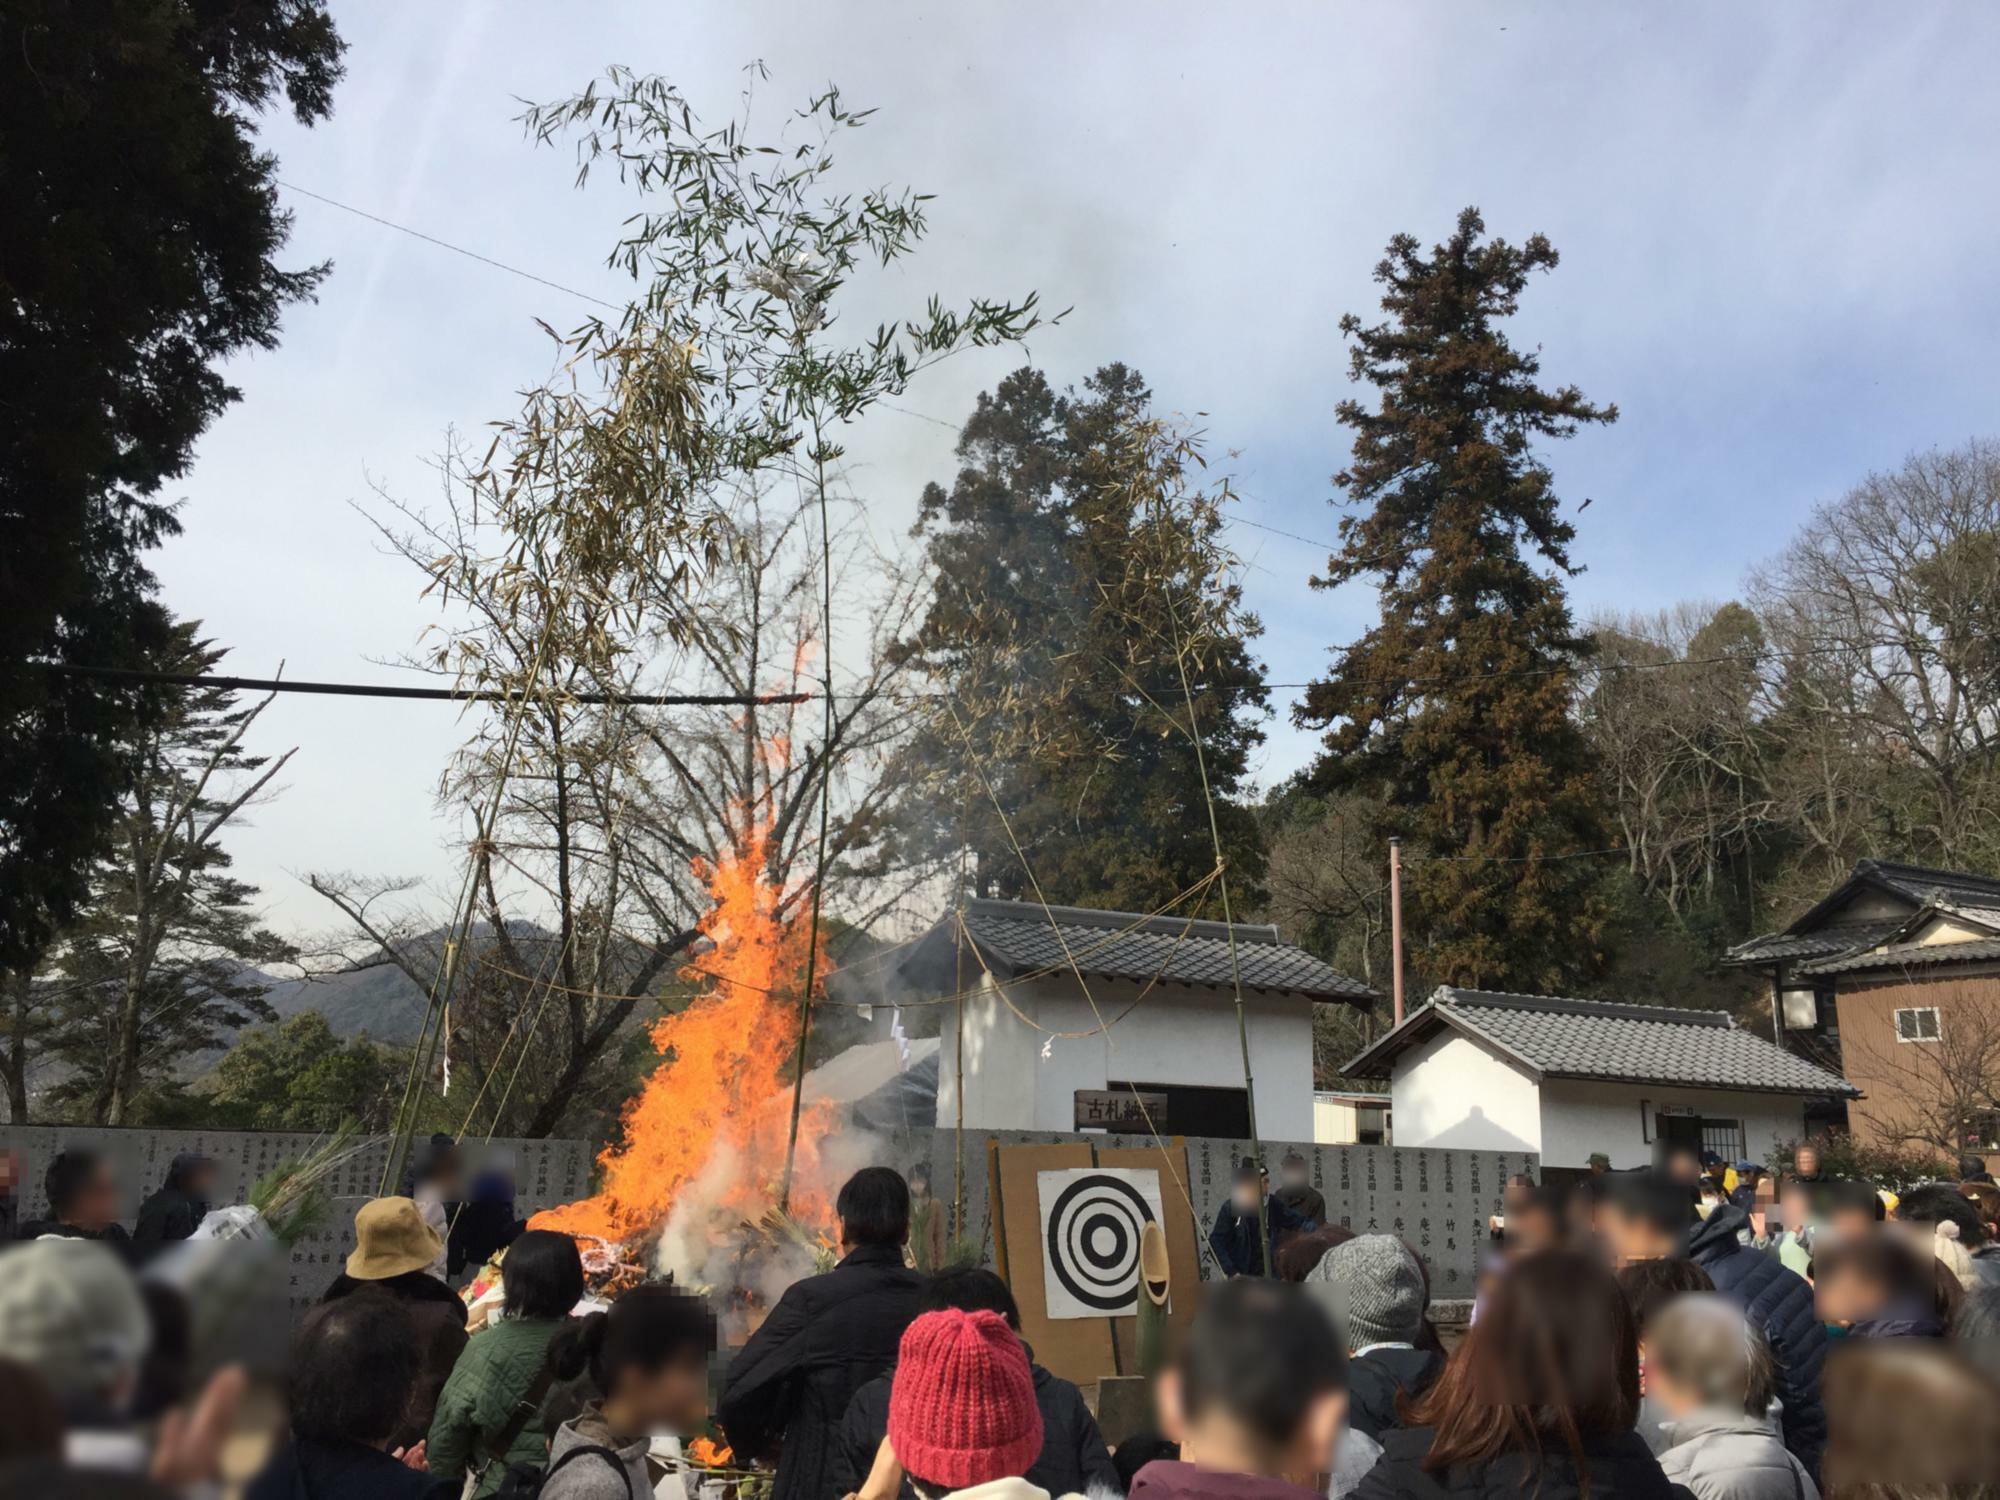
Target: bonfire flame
(707, 1132)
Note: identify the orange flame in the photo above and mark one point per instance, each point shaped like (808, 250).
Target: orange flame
(726, 1081)
(709, 1454)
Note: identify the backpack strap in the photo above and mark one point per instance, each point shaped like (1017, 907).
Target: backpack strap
(608, 1455)
(502, 1441)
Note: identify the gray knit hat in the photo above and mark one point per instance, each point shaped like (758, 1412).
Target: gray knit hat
(71, 1312)
(1373, 1287)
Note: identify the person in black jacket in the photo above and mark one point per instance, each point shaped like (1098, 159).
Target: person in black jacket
(1234, 1238)
(1539, 1400)
(1073, 1455)
(353, 1372)
(177, 1209)
(1374, 1289)
(1647, 1218)
(83, 1202)
(827, 1337)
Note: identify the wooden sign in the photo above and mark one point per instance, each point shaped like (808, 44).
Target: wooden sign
(1121, 1109)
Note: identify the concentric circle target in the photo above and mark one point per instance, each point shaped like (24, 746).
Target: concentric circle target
(1093, 1248)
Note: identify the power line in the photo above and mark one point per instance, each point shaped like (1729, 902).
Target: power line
(383, 690)
(431, 239)
(501, 265)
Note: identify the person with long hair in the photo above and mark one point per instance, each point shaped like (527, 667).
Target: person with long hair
(1539, 1400)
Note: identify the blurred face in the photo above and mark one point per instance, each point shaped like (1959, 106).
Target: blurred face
(1245, 1195)
(1806, 1163)
(96, 1205)
(1850, 1223)
(920, 1185)
(201, 1183)
(10, 1173)
(1293, 1174)
(673, 1398)
(1676, 1400)
(1795, 1206)
(1846, 1298)
(1628, 1238)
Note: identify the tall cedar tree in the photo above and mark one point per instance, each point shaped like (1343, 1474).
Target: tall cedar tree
(137, 252)
(1071, 732)
(1456, 707)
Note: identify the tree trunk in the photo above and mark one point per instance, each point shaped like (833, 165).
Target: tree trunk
(15, 1062)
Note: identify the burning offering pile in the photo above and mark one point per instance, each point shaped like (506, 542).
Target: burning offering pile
(692, 1188)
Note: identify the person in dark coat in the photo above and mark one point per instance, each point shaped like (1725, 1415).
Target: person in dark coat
(1539, 1400)
(1073, 1455)
(83, 1202)
(177, 1209)
(1373, 1288)
(1647, 1218)
(352, 1374)
(827, 1337)
(1234, 1237)
(393, 1249)
(483, 1224)
(1878, 1287)
(1296, 1192)
(1255, 1399)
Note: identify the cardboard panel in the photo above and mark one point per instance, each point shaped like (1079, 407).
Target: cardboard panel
(1077, 1349)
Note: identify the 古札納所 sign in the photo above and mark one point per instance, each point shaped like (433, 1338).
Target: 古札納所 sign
(1121, 1109)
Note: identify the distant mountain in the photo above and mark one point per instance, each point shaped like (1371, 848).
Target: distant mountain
(381, 1001)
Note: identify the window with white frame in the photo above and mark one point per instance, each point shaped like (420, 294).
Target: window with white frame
(1917, 1024)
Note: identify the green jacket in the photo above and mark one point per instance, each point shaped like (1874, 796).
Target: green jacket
(489, 1380)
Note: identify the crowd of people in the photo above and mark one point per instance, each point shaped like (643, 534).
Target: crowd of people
(1699, 1331)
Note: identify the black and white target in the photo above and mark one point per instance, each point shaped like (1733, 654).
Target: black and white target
(1092, 1218)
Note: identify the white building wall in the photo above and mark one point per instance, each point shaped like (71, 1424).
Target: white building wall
(1451, 1092)
(1579, 1117)
(1176, 1034)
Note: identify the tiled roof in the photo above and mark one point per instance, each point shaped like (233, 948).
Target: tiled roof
(1920, 883)
(1910, 956)
(1841, 937)
(1022, 937)
(1562, 1038)
(1819, 933)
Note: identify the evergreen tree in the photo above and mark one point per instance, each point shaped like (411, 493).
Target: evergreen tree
(165, 962)
(1054, 558)
(137, 252)
(1456, 706)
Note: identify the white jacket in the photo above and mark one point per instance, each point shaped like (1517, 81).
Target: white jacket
(1723, 1455)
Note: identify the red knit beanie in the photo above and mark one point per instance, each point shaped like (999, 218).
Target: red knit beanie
(962, 1410)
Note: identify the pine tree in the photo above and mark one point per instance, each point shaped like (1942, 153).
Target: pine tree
(1060, 718)
(165, 962)
(1456, 706)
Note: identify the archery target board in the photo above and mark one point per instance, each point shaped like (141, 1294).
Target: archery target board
(1092, 1218)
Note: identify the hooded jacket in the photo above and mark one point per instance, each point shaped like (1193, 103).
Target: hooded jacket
(592, 1476)
(1375, 1379)
(1733, 1456)
(1781, 1306)
(1073, 1456)
(1234, 1237)
(1618, 1465)
(827, 1337)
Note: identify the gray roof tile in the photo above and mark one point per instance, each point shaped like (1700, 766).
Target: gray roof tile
(1599, 1039)
(1839, 937)
(1909, 956)
(1022, 937)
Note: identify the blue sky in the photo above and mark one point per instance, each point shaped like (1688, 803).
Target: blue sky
(1777, 225)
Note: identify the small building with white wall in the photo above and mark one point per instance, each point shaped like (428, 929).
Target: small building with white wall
(1066, 1018)
(1485, 1071)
